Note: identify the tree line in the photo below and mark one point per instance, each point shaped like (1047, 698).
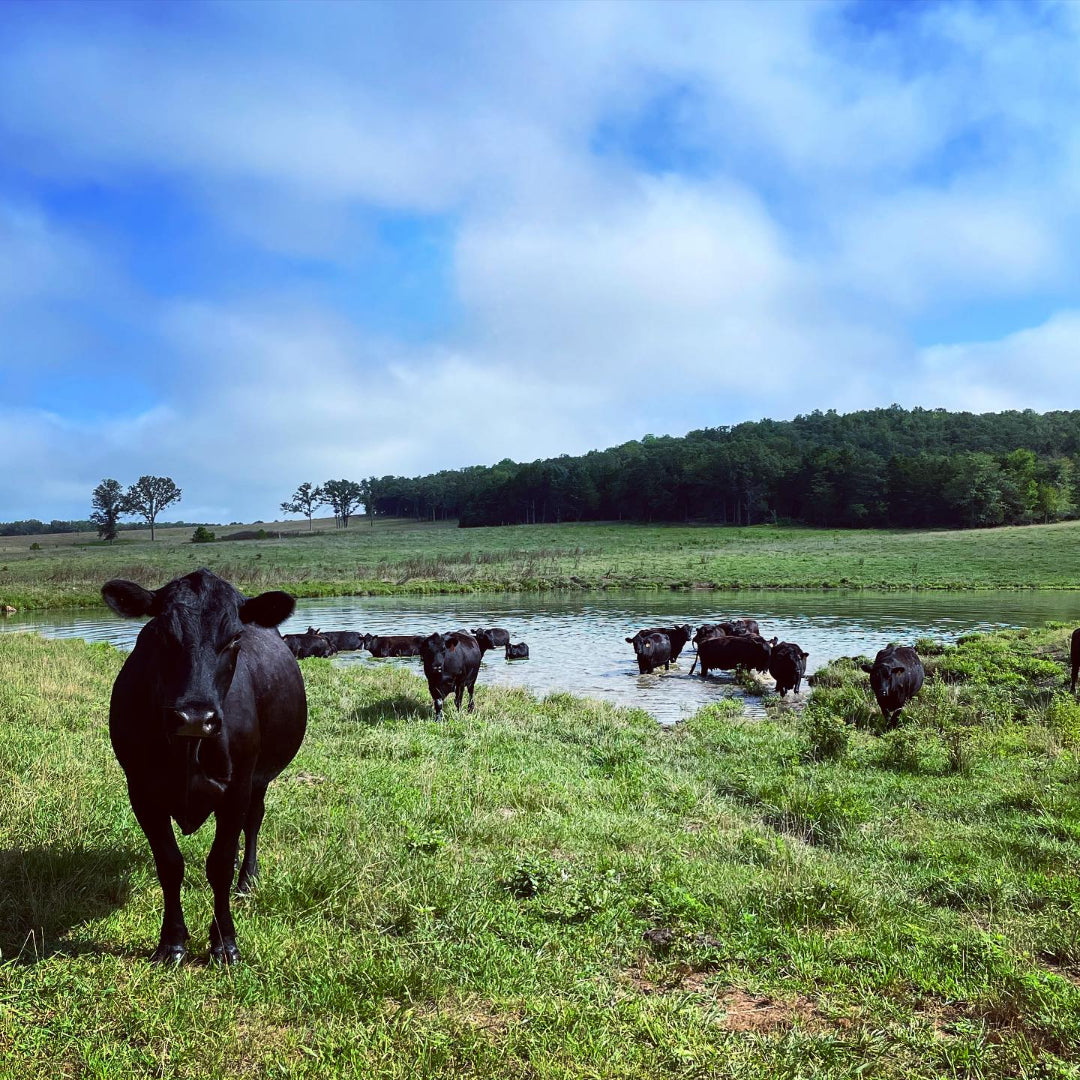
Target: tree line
(146, 498)
(889, 467)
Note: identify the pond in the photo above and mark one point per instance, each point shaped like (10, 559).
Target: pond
(577, 640)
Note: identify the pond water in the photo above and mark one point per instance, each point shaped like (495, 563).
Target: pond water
(577, 640)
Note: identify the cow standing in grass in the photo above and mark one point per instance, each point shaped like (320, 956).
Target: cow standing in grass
(208, 708)
(896, 676)
(451, 663)
(1074, 655)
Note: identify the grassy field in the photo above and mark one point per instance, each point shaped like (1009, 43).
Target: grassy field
(398, 556)
(556, 888)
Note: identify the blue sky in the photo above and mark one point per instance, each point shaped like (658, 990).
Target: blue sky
(247, 245)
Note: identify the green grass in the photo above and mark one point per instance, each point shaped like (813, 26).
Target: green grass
(408, 557)
(558, 888)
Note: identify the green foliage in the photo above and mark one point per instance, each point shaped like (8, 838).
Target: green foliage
(827, 735)
(203, 535)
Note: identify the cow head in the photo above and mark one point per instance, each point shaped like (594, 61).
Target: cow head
(434, 650)
(195, 632)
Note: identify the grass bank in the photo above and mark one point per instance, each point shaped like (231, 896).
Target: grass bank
(558, 888)
(397, 557)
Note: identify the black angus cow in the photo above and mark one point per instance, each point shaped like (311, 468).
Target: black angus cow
(394, 644)
(787, 665)
(520, 651)
(451, 662)
(206, 711)
(704, 633)
(1074, 655)
(494, 637)
(727, 652)
(342, 640)
(310, 643)
(740, 627)
(896, 676)
(652, 648)
(677, 636)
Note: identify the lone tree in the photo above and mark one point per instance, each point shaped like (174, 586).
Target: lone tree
(306, 500)
(149, 496)
(344, 497)
(108, 503)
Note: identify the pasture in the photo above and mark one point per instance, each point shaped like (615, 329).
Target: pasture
(557, 888)
(399, 556)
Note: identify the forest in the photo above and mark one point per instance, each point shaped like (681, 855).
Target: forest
(892, 468)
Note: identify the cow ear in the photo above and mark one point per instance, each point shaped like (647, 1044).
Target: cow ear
(805, 655)
(267, 609)
(451, 642)
(629, 641)
(868, 668)
(128, 599)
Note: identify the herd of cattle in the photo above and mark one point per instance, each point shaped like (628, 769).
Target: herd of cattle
(210, 706)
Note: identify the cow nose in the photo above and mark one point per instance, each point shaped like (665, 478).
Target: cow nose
(196, 723)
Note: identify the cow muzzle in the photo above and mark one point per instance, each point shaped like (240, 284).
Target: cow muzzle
(195, 723)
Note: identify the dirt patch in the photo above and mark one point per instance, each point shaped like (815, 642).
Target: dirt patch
(474, 1013)
(765, 1015)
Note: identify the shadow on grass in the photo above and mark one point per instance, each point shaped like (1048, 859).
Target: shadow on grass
(45, 893)
(397, 707)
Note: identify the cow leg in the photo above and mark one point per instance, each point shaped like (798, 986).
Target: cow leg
(1076, 669)
(437, 701)
(472, 690)
(459, 693)
(156, 824)
(220, 864)
(249, 868)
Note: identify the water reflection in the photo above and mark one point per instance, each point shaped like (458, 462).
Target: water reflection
(577, 641)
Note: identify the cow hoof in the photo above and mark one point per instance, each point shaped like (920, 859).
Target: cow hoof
(168, 955)
(226, 953)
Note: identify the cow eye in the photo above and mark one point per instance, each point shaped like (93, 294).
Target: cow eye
(234, 641)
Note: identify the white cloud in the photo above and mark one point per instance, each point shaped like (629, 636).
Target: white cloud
(844, 185)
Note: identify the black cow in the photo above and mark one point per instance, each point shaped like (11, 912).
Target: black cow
(727, 652)
(704, 633)
(740, 627)
(310, 643)
(787, 665)
(677, 635)
(896, 676)
(517, 652)
(1074, 655)
(652, 648)
(494, 637)
(451, 662)
(206, 711)
(342, 640)
(394, 645)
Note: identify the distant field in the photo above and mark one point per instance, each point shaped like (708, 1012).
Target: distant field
(402, 556)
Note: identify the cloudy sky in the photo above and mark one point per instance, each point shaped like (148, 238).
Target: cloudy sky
(251, 244)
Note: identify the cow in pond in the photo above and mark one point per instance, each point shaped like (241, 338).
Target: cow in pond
(520, 651)
(704, 633)
(787, 665)
(652, 648)
(343, 640)
(740, 627)
(896, 676)
(494, 637)
(208, 708)
(1074, 655)
(725, 653)
(451, 663)
(677, 636)
(394, 644)
(310, 643)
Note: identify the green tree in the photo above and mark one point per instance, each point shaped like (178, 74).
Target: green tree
(306, 500)
(343, 497)
(149, 496)
(108, 504)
